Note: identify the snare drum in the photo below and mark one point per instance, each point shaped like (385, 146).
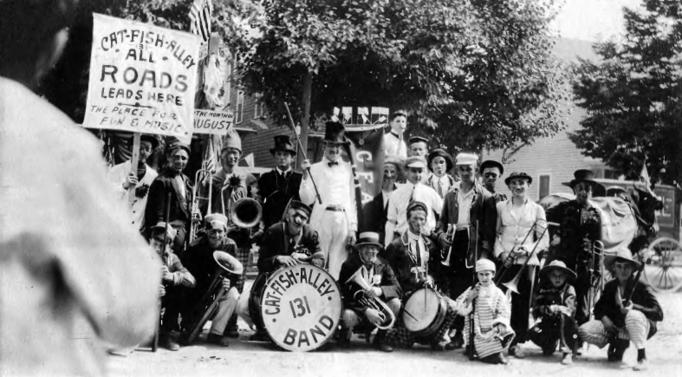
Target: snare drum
(300, 307)
(424, 312)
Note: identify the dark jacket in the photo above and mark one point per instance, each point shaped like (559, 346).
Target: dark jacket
(199, 261)
(164, 184)
(483, 212)
(180, 275)
(276, 191)
(642, 297)
(549, 295)
(389, 285)
(401, 262)
(276, 242)
(572, 231)
(374, 216)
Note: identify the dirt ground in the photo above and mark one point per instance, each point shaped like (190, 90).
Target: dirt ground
(244, 358)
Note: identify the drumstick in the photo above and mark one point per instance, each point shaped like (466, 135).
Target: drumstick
(410, 314)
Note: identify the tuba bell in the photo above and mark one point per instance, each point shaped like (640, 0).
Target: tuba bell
(370, 300)
(245, 213)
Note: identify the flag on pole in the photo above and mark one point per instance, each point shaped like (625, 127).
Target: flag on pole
(200, 18)
(210, 158)
(644, 174)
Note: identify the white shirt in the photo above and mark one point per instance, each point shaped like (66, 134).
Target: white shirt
(335, 185)
(119, 174)
(395, 146)
(464, 202)
(397, 207)
(386, 195)
(443, 181)
(514, 223)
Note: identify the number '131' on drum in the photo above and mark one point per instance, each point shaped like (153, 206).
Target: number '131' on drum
(301, 307)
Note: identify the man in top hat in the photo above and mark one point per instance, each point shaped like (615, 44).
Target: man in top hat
(201, 264)
(579, 228)
(418, 146)
(466, 231)
(171, 193)
(281, 184)
(335, 218)
(374, 212)
(440, 164)
(124, 179)
(285, 243)
(627, 311)
(490, 171)
(413, 190)
(394, 145)
(364, 277)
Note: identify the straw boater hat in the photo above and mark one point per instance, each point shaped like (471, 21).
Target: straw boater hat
(464, 158)
(587, 176)
(558, 265)
(369, 238)
(518, 175)
(440, 152)
(282, 143)
(335, 133)
(484, 264)
(491, 164)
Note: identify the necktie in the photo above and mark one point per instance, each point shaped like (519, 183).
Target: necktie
(332, 163)
(440, 188)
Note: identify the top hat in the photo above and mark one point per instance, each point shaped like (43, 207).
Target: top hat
(335, 133)
(440, 152)
(232, 141)
(282, 143)
(587, 176)
(560, 266)
(369, 238)
(518, 175)
(151, 139)
(491, 164)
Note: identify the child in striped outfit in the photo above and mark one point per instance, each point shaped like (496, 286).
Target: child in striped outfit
(487, 307)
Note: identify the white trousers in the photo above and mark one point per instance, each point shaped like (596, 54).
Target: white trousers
(226, 306)
(636, 330)
(332, 229)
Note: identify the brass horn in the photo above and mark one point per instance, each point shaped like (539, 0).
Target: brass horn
(370, 300)
(246, 213)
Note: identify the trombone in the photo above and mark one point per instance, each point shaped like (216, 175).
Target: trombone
(513, 284)
(511, 257)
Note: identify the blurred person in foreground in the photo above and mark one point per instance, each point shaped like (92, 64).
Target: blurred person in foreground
(66, 282)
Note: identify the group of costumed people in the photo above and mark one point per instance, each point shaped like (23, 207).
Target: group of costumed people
(454, 234)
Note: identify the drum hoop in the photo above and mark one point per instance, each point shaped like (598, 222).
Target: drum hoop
(437, 320)
(337, 320)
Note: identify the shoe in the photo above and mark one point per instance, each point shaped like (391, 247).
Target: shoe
(218, 340)
(453, 345)
(496, 358)
(641, 365)
(567, 359)
(616, 350)
(259, 336)
(169, 344)
(516, 351)
(344, 334)
(232, 332)
(383, 347)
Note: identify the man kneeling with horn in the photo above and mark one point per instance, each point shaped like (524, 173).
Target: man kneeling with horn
(371, 291)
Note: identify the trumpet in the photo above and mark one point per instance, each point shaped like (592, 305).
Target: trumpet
(450, 237)
(367, 299)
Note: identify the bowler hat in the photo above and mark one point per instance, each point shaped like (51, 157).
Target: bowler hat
(335, 133)
(440, 152)
(587, 176)
(282, 143)
(558, 265)
(369, 238)
(518, 175)
(491, 164)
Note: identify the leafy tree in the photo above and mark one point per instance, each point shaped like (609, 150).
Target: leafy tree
(632, 95)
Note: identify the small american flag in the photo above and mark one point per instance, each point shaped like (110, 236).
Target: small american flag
(200, 18)
(210, 161)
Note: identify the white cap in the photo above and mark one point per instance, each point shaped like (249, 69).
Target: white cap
(466, 159)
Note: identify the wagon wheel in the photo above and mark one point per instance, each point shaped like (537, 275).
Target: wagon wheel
(663, 269)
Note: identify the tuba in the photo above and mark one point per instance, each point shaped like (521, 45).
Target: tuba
(245, 213)
(228, 267)
(370, 300)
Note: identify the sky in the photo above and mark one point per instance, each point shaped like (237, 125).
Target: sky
(592, 20)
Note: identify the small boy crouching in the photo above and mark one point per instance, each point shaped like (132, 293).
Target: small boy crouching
(554, 311)
(173, 276)
(487, 309)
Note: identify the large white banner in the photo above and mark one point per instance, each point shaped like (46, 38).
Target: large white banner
(142, 78)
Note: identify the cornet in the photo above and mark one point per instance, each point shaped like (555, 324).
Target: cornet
(369, 300)
(450, 237)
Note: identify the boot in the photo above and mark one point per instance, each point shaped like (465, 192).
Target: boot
(380, 342)
(617, 349)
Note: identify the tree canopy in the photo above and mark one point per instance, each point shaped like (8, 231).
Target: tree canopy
(632, 95)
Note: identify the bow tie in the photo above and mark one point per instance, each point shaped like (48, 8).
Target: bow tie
(332, 163)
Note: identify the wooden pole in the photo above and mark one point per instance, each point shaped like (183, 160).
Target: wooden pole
(134, 161)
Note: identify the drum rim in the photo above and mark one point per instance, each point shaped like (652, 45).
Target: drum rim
(435, 316)
(337, 320)
(438, 319)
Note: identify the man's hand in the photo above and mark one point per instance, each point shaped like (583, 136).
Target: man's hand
(377, 291)
(131, 181)
(286, 260)
(373, 316)
(351, 239)
(444, 240)
(162, 290)
(504, 257)
(500, 328)
(226, 284)
(305, 165)
(317, 262)
(587, 244)
(626, 307)
(166, 274)
(141, 191)
(520, 251)
(610, 328)
(301, 257)
(473, 293)
(428, 282)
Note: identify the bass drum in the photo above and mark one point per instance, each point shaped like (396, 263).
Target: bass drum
(254, 299)
(300, 307)
(424, 312)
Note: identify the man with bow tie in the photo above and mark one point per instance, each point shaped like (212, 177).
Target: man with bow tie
(280, 185)
(335, 217)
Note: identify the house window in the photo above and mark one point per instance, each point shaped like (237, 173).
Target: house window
(543, 187)
(239, 108)
(258, 108)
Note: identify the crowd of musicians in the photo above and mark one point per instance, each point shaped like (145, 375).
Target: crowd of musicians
(438, 225)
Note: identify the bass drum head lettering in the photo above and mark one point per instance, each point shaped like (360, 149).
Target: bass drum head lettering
(300, 307)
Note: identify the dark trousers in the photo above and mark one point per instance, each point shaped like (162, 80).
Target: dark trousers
(520, 304)
(582, 290)
(456, 278)
(172, 304)
(548, 332)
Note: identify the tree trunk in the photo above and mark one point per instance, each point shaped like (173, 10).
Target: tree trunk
(305, 121)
